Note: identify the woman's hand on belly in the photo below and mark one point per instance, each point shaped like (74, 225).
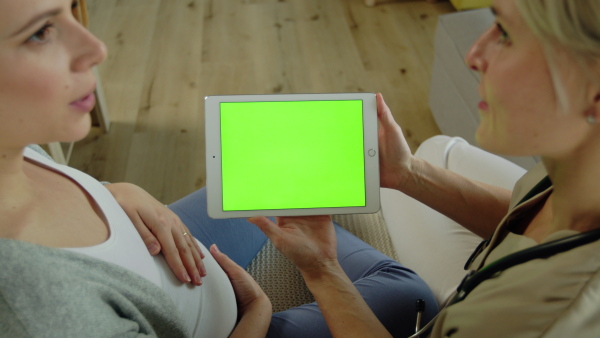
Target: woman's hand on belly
(162, 230)
(254, 307)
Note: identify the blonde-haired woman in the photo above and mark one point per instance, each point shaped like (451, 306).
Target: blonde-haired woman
(540, 90)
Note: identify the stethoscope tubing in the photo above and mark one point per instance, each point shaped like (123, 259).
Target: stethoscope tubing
(545, 250)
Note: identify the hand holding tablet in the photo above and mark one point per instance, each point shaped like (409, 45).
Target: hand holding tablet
(291, 154)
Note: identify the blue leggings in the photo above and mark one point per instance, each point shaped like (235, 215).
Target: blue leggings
(390, 289)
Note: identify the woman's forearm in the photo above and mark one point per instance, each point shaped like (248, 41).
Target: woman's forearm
(477, 206)
(344, 309)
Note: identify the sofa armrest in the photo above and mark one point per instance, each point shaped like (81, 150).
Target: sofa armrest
(428, 242)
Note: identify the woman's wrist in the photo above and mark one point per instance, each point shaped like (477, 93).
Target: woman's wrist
(261, 308)
(408, 175)
(321, 271)
(255, 320)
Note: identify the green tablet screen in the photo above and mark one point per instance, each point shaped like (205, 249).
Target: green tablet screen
(292, 155)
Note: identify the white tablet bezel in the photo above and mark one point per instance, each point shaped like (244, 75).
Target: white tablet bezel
(213, 155)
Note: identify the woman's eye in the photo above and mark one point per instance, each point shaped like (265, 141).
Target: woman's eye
(504, 38)
(74, 8)
(41, 35)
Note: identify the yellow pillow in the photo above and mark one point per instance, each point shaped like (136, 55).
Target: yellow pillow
(470, 4)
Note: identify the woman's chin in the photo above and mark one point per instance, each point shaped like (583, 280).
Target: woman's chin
(75, 135)
(501, 146)
(78, 137)
(489, 142)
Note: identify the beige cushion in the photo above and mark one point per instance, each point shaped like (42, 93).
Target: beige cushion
(283, 283)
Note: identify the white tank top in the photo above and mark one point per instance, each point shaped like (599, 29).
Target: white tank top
(209, 310)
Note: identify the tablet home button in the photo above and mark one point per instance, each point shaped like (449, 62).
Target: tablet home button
(372, 152)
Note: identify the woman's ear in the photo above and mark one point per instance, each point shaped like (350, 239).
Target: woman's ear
(593, 112)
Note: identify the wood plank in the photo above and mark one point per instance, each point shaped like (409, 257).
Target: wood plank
(166, 55)
(126, 27)
(169, 124)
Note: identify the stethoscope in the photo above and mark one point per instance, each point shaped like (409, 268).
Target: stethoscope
(474, 278)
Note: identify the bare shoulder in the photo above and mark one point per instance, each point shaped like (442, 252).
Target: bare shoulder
(60, 213)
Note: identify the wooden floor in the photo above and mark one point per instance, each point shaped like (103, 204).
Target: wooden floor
(166, 55)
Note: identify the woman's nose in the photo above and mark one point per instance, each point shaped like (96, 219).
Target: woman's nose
(89, 52)
(476, 57)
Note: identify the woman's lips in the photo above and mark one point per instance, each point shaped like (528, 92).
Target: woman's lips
(85, 104)
(483, 106)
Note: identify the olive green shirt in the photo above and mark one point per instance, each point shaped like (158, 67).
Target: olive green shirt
(554, 297)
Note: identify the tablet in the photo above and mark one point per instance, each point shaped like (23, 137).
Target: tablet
(291, 154)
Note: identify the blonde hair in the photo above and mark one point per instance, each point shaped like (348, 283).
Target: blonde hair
(568, 29)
